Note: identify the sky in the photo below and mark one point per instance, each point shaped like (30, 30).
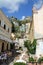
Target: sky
(19, 8)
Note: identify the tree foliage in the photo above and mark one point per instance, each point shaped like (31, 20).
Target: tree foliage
(19, 63)
(13, 28)
(31, 59)
(31, 46)
(40, 59)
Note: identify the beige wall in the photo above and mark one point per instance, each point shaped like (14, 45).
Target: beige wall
(31, 31)
(38, 23)
(36, 27)
(5, 45)
(4, 34)
(5, 20)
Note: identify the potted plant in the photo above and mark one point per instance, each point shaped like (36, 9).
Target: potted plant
(31, 59)
(40, 60)
(19, 63)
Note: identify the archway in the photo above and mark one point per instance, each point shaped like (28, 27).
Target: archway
(2, 47)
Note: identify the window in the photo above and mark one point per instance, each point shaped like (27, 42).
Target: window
(0, 22)
(4, 26)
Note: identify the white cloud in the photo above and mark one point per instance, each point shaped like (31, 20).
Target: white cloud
(23, 17)
(12, 5)
(38, 4)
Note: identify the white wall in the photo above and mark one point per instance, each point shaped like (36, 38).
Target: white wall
(39, 48)
(21, 42)
(38, 23)
(38, 30)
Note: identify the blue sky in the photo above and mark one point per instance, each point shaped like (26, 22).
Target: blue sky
(18, 8)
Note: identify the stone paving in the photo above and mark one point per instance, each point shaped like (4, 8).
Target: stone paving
(17, 57)
(23, 57)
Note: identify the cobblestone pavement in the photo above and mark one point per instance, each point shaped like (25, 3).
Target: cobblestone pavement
(23, 57)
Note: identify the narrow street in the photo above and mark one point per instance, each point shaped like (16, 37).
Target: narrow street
(10, 59)
(23, 57)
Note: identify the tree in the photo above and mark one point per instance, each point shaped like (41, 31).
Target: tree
(20, 22)
(16, 29)
(25, 21)
(13, 28)
(27, 44)
(40, 59)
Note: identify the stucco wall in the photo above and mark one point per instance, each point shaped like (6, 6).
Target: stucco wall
(5, 20)
(5, 45)
(38, 23)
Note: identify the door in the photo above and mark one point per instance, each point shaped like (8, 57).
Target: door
(2, 47)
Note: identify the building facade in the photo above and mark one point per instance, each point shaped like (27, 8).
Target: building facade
(5, 32)
(36, 29)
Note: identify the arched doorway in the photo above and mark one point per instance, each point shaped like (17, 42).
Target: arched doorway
(2, 47)
(12, 46)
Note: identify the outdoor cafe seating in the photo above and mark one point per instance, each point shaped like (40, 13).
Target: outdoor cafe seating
(4, 57)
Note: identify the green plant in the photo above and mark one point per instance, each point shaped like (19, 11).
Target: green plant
(19, 63)
(30, 46)
(16, 29)
(27, 44)
(13, 28)
(40, 59)
(33, 47)
(31, 59)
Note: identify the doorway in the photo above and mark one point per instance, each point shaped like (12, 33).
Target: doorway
(2, 47)
(11, 46)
